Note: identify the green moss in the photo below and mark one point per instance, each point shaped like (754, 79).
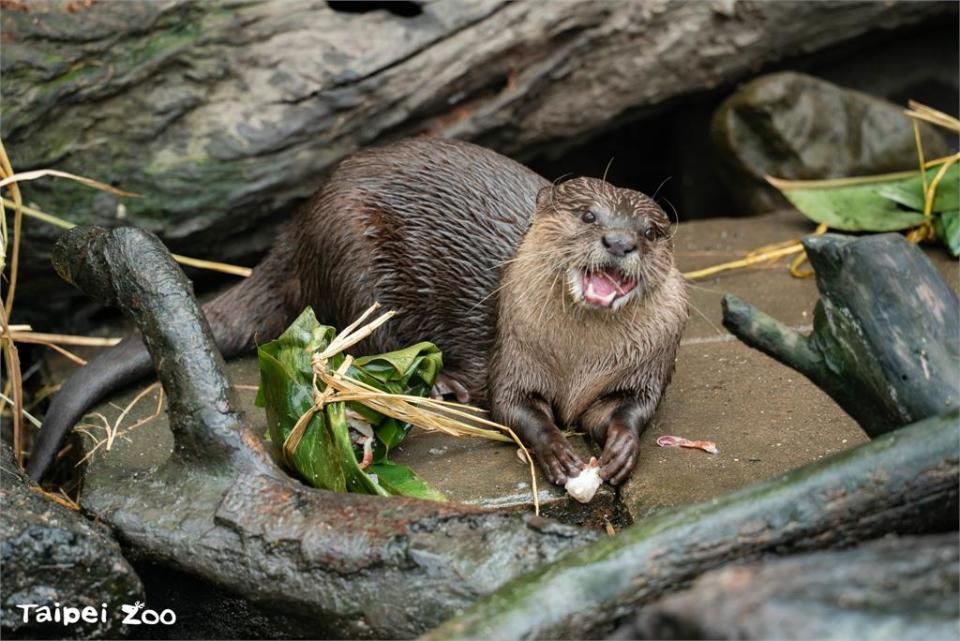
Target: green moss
(163, 43)
(83, 72)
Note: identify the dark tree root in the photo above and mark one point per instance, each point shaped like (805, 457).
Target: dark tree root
(886, 333)
(901, 588)
(132, 270)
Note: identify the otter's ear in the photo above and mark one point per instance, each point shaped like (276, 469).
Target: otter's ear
(545, 197)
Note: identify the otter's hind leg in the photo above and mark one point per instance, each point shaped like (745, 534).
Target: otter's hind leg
(448, 384)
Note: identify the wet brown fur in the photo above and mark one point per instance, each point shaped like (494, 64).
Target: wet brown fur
(580, 364)
(425, 227)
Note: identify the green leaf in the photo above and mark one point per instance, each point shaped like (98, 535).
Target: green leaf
(413, 367)
(854, 204)
(947, 227)
(406, 371)
(909, 193)
(401, 480)
(357, 480)
(325, 456)
(286, 394)
(888, 202)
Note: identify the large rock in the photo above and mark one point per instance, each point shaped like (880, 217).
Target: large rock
(52, 555)
(791, 125)
(223, 115)
(904, 589)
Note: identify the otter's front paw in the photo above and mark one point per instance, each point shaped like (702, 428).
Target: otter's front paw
(557, 459)
(619, 454)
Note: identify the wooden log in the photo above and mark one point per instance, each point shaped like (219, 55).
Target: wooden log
(886, 333)
(902, 588)
(224, 115)
(905, 481)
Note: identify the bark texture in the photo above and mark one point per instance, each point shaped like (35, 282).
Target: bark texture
(222, 115)
(901, 588)
(886, 332)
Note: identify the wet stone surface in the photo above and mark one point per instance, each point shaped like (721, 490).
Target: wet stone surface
(765, 418)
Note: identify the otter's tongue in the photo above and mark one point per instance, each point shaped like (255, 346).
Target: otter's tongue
(602, 288)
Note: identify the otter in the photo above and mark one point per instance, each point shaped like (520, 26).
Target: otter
(554, 305)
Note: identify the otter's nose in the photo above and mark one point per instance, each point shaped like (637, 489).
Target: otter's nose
(619, 243)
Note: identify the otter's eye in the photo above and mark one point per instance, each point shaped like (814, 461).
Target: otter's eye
(588, 216)
(650, 233)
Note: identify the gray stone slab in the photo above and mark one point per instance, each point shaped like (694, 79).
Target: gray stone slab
(765, 418)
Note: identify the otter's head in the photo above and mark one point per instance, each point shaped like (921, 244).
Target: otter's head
(612, 245)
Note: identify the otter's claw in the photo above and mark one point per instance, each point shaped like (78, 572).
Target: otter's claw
(558, 460)
(619, 454)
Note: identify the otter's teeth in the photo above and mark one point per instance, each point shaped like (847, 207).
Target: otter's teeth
(599, 290)
(593, 297)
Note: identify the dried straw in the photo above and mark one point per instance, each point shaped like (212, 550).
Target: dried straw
(117, 430)
(919, 111)
(30, 417)
(25, 176)
(754, 258)
(10, 355)
(60, 498)
(10, 180)
(63, 339)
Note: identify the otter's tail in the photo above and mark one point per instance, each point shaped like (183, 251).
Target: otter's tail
(254, 311)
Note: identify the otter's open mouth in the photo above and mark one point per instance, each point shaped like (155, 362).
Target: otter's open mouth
(603, 288)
